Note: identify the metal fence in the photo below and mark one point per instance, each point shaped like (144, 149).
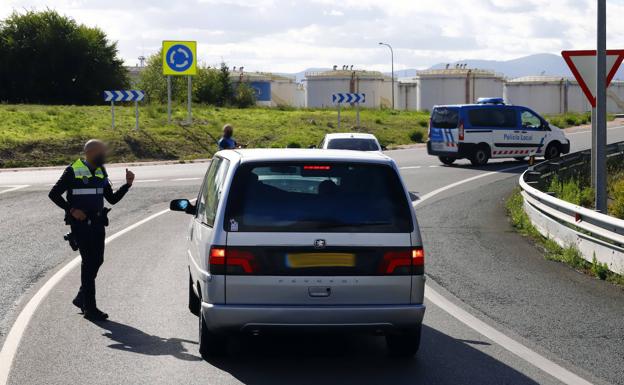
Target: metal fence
(595, 235)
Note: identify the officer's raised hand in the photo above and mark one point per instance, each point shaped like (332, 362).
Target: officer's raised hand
(129, 177)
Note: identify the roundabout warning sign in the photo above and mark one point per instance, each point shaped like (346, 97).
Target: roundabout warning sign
(179, 57)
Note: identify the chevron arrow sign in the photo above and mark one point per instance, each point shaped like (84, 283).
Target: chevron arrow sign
(348, 97)
(124, 96)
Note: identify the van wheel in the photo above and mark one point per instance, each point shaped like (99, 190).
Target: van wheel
(210, 343)
(480, 156)
(404, 344)
(552, 151)
(447, 160)
(193, 300)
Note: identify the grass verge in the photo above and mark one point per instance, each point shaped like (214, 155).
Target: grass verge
(37, 135)
(552, 251)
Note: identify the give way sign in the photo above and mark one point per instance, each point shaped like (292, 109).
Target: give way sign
(583, 66)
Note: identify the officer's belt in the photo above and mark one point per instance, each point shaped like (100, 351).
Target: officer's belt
(87, 191)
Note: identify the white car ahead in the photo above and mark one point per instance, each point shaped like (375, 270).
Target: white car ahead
(351, 141)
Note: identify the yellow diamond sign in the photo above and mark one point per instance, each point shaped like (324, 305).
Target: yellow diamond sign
(179, 57)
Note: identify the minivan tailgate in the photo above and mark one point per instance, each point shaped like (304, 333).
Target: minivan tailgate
(347, 270)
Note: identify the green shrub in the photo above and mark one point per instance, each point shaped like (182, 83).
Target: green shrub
(423, 123)
(293, 145)
(378, 121)
(600, 270)
(416, 136)
(616, 207)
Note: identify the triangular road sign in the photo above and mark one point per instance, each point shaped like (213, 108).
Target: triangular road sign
(583, 66)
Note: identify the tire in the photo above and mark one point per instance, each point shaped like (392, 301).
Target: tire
(552, 151)
(210, 343)
(404, 344)
(447, 160)
(520, 158)
(194, 304)
(480, 156)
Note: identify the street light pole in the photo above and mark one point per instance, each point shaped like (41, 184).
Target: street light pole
(601, 109)
(392, 61)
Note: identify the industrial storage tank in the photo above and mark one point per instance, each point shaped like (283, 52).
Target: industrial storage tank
(455, 86)
(547, 94)
(406, 98)
(321, 85)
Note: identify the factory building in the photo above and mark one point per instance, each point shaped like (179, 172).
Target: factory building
(320, 86)
(271, 90)
(407, 89)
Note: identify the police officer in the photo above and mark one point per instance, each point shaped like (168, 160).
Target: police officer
(227, 142)
(87, 185)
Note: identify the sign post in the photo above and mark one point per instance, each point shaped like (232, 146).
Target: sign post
(179, 59)
(590, 70)
(351, 97)
(124, 96)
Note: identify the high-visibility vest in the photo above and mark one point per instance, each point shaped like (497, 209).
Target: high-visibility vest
(87, 191)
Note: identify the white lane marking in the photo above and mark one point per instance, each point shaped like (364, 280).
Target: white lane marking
(147, 180)
(506, 342)
(467, 180)
(13, 188)
(9, 349)
(409, 167)
(486, 330)
(183, 179)
(433, 166)
(588, 131)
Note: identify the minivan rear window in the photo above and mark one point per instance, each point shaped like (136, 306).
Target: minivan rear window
(445, 117)
(317, 197)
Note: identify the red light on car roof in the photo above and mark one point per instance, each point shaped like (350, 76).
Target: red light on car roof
(316, 167)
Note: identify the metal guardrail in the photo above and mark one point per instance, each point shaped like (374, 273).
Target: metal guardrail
(594, 234)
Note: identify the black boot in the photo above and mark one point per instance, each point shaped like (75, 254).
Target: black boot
(95, 315)
(78, 303)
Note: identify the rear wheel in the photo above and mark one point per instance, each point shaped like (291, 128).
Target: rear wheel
(405, 343)
(552, 151)
(447, 160)
(481, 156)
(210, 344)
(193, 300)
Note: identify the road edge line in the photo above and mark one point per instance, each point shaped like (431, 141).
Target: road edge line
(15, 188)
(14, 337)
(511, 345)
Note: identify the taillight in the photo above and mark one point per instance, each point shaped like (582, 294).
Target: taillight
(402, 262)
(460, 129)
(231, 261)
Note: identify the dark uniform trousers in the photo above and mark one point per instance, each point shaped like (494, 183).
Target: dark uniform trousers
(90, 237)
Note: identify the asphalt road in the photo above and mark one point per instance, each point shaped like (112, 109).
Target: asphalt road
(473, 258)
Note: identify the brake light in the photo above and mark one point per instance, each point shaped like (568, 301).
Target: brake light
(402, 262)
(460, 129)
(316, 167)
(418, 256)
(231, 261)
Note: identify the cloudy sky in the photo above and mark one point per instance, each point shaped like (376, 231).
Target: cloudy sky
(289, 36)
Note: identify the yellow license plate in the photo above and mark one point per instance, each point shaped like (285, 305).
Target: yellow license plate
(303, 260)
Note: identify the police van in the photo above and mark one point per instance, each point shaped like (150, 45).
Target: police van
(492, 129)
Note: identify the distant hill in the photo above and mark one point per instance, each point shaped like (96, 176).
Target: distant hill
(538, 64)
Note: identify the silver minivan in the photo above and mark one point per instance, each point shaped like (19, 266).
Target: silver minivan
(291, 239)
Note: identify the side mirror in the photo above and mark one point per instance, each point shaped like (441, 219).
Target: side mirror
(384, 148)
(183, 205)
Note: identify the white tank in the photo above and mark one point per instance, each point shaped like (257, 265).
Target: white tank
(546, 94)
(455, 86)
(321, 85)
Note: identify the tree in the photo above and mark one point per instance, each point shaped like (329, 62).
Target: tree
(154, 83)
(49, 58)
(244, 95)
(227, 93)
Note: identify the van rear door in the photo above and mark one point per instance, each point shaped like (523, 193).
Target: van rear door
(443, 129)
(318, 233)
